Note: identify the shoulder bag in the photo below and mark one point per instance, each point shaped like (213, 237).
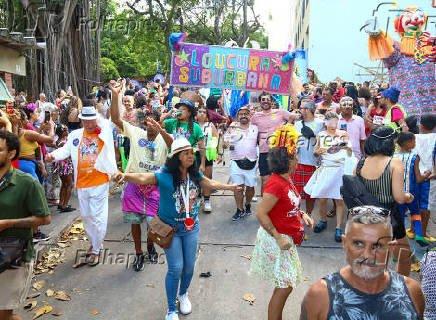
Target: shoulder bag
(160, 232)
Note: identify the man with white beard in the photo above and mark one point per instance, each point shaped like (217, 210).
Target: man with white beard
(364, 289)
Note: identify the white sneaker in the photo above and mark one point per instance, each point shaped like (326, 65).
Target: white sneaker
(185, 304)
(207, 206)
(171, 316)
(254, 199)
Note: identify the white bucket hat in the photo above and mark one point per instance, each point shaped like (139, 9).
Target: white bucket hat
(88, 113)
(179, 145)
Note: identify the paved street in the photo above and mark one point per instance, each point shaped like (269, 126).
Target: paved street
(117, 292)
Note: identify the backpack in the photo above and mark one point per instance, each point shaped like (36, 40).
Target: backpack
(354, 192)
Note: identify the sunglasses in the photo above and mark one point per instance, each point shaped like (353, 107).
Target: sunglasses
(356, 211)
(347, 104)
(264, 99)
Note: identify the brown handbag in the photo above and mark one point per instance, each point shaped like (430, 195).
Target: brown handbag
(160, 232)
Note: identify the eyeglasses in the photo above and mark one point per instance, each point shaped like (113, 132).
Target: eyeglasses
(243, 113)
(264, 99)
(368, 209)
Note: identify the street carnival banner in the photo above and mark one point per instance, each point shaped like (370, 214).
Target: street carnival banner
(196, 65)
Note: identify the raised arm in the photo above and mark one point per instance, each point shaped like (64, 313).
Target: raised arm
(40, 137)
(115, 108)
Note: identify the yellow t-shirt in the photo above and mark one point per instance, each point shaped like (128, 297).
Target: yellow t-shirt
(145, 156)
(89, 149)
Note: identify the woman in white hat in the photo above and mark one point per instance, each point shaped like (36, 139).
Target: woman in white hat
(179, 184)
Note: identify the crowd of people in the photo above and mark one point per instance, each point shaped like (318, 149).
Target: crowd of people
(161, 143)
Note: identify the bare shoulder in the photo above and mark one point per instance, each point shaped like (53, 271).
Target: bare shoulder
(397, 164)
(315, 304)
(416, 294)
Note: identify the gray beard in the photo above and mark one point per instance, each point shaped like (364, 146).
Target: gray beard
(366, 272)
(244, 121)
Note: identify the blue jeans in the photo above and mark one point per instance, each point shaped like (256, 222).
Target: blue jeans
(181, 261)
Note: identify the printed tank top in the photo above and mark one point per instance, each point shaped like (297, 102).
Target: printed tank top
(348, 303)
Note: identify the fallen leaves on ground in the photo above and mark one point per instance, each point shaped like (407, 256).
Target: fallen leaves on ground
(248, 257)
(61, 295)
(249, 297)
(77, 227)
(49, 261)
(149, 285)
(30, 305)
(39, 285)
(49, 293)
(306, 278)
(33, 295)
(57, 314)
(42, 311)
(94, 312)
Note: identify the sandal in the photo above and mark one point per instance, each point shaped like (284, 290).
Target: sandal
(331, 213)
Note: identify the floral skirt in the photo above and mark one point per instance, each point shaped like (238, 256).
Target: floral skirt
(282, 268)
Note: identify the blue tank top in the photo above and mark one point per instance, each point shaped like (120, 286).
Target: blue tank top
(348, 303)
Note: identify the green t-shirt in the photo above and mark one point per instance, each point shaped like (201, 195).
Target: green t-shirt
(182, 130)
(22, 197)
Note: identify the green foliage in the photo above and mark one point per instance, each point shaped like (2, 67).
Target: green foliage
(108, 69)
(136, 37)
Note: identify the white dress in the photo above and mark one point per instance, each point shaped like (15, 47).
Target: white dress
(326, 181)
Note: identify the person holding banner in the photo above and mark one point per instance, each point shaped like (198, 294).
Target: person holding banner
(268, 121)
(179, 184)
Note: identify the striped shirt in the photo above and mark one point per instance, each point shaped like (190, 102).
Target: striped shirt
(381, 188)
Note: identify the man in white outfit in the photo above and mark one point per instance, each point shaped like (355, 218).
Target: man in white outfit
(92, 152)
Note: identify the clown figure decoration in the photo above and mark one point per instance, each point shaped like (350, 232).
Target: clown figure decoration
(410, 64)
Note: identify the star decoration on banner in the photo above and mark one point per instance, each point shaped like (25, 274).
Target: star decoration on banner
(184, 56)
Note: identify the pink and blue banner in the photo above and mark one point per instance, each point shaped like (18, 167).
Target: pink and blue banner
(197, 65)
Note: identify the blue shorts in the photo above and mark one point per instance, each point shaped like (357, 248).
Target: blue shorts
(263, 164)
(424, 195)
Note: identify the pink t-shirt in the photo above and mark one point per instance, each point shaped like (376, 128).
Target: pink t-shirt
(267, 123)
(244, 142)
(356, 132)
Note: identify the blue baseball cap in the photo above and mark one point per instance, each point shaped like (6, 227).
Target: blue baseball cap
(189, 104)
(392, 93)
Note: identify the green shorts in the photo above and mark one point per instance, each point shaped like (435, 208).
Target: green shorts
(135, 218)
